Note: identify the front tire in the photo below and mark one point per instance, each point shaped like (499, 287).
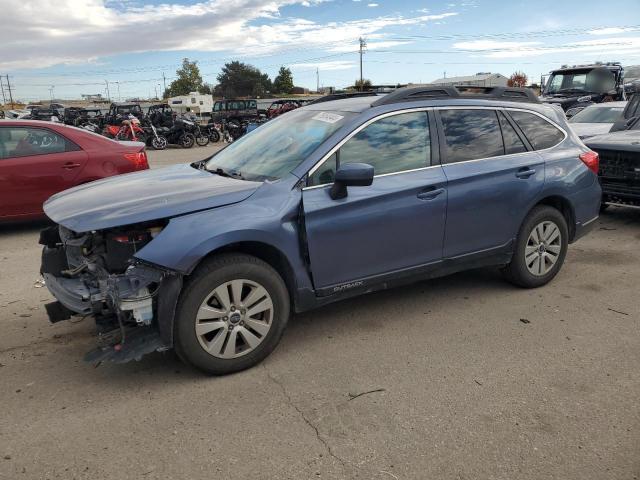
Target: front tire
(540, 250)
(231, 314)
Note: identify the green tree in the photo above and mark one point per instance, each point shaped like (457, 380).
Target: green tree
(283, 83)
(189, 80)
(240, 80)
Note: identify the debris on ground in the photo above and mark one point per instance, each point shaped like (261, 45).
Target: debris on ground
(39, 283)
(353, 396)
(617, 311)
(524, 320)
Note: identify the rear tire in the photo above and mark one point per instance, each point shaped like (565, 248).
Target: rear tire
(214, 136)
(187, 140)
(541, 247)
(231, 314)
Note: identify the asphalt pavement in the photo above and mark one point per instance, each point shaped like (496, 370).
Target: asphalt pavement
(465, 377)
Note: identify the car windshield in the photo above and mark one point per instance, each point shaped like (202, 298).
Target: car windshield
(277, 147)
(596, 80)
(598, 114)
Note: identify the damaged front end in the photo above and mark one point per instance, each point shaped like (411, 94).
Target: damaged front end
(96, 274)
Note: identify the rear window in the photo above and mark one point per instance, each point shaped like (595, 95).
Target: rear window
(540, 133)
(471, 134)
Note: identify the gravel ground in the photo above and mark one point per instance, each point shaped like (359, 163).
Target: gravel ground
(469, 378)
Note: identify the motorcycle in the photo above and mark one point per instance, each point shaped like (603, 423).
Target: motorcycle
(130, 129)
(213, 132)
(202, 139)
(158, 142)
(178, 134)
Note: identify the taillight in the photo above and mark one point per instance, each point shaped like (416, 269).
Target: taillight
(139, 159)
(592, 160)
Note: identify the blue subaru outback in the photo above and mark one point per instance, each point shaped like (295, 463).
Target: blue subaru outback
(329, 201)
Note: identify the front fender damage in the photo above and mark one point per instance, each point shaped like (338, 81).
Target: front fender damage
(154, 329)
(133, 302)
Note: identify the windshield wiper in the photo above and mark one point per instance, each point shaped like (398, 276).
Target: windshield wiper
(224, 173)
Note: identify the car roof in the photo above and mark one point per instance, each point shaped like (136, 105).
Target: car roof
(361, 104)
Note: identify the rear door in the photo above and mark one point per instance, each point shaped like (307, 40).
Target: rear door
(492, 179)
(35, 163)
(390, 226)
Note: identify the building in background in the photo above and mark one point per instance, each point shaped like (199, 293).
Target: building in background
(197, 103)
(481, 79)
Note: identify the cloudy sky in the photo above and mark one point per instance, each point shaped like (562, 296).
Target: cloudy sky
(69, 47)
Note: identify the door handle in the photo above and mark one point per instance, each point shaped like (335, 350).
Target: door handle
(525, 172)
(70, 165)
(430, 193)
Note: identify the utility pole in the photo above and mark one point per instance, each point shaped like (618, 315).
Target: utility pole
(108, 94)
(164, 83)
(9, 87)
(4, 99)
(363, 44)
(317, 80)
(156, 87)
(119, 97)
(51, 92)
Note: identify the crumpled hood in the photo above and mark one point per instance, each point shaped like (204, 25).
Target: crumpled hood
(143, 196)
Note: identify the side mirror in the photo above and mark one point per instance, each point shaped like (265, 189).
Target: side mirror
(351, 175)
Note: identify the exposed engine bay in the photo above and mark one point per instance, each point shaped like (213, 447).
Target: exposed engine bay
(96, 274)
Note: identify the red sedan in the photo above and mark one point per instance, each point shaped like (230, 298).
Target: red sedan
(38, 159)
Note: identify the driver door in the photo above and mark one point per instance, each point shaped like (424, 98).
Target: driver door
(389, 227)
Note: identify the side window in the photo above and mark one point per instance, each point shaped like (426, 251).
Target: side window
(512, 142)
(253, 104)
(392, 144)
(540, 133)
(471, 134)
(23, 142)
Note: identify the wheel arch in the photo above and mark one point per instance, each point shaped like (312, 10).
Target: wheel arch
(266, 252)
(563, 205)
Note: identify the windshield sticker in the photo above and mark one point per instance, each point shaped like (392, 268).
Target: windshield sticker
(328, 117)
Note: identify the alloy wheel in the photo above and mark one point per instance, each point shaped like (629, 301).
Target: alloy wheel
(234, 318)
(543, 248)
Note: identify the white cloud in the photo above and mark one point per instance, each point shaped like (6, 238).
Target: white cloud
(499, 49)
(611, 30)
(372, 4)
(49, 32)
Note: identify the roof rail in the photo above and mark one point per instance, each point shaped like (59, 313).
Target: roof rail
(412, 94)
(342, 96)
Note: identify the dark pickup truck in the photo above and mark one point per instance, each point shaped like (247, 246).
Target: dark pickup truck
(575, 88)
(619, 152)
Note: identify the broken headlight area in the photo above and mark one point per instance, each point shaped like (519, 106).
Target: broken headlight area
(96, 274)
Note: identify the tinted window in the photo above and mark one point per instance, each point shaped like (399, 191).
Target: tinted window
(392, 144)
(512, 142)
(540, 133)
(471, 134)
(24, 142)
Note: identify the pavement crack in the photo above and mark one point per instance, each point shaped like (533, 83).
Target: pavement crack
(304, 417)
